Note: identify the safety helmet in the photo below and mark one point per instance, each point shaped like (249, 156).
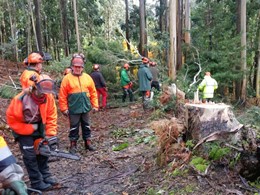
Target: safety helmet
(126, 66)
(77, 61)
(44, 84)
(145, 60)
(95, 66)
(25, 62)
(35, 58)
(67, 71)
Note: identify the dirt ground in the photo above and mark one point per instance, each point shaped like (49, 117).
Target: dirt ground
(131, 171)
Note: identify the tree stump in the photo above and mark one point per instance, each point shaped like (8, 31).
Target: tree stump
(204, 120)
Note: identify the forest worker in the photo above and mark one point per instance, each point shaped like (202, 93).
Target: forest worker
(32, 117)
(155, 73)
(10, 172)
(34, 67)
(144, 78)
(77, 97)
(100, 85)
(126, 83)
(208, 85)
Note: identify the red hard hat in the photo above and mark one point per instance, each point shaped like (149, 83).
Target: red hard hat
(35, 58)
(145, 60)
(96, 66)
(126, 66)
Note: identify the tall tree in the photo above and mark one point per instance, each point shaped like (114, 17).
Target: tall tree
(64, 26)
(179, 34)
(173, 39)
(143, 34)
(187, 23)
(37, 8)
(76, 24)
(127, 24)
(243, 52)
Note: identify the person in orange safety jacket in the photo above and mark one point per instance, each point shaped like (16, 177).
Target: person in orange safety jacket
(10, 172)
(33, 116)
(77, 96)
(34, 67)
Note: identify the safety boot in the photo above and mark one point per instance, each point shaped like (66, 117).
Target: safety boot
(89, 146)
(51, 180)
(73, 147)
(42, 186)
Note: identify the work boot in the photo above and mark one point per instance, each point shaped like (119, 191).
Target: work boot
(73, 147)
(51, 180)
(89, 146)
(42, 186)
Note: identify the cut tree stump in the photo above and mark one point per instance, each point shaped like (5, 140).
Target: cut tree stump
(209, 121)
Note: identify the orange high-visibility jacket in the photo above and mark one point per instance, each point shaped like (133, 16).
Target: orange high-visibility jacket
(76, 94)
(48, 111)
(25, 77)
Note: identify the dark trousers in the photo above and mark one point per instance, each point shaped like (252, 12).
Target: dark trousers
(127, 92)
(36, 165)
(156, 85)
(75, 121)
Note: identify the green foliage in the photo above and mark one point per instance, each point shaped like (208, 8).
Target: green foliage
(250, 116)
(8, 92)
(179, 172)
(217, 152)
(199, 163)
(189, 144)
(120, 147)
(122, 133)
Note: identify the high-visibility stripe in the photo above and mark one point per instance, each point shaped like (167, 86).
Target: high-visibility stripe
(6, 157)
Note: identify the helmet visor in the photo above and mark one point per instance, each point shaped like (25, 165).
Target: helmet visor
(46, 86)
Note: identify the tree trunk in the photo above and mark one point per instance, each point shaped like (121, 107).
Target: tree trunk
(179, 34)
(127, 25)
(243, 52)
(64, 26)
(76, 25)
(258, 68)
(143, 34)
(173, 39)
(187, 22)
(37, 9)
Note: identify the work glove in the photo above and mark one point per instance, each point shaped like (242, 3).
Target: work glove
(66, 113)
(16, 188)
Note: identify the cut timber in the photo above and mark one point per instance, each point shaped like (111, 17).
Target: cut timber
(207, 122)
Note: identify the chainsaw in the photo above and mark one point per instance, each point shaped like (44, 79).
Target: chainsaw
(49, 147)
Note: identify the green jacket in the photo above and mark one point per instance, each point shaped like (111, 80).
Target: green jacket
(124, 77)
(144, 77)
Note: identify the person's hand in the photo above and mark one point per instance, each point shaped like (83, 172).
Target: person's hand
(66, 113)
(16, 187)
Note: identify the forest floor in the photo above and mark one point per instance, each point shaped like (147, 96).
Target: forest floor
(130, 171)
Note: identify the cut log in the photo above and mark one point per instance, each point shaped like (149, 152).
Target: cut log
(209, 122)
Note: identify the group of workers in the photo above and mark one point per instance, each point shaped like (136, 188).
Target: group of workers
(32, 114)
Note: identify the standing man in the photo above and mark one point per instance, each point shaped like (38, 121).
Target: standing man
(10, 173)
(144, 77)
(32, 117)
(208, 85)
(34, 67)
(100, 85)
(77, 97)
(126, 83)
(155, 73)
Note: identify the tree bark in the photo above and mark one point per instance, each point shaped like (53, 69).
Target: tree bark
(179, 34)
(258, 67)
(187, 22)
(127, 24)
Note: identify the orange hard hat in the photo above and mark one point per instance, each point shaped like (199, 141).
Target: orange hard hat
(95, 66)
(35, 58)
(126, 66)
(145, 60)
